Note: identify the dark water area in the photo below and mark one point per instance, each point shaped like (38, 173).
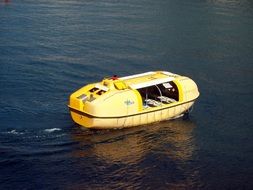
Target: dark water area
(48, 49)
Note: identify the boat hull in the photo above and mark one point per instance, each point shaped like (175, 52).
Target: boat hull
(145, 117)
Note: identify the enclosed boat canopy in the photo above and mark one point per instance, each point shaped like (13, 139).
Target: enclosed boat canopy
(133, 100)
(148, 79)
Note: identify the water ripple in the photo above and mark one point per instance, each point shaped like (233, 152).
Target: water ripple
(48, 49)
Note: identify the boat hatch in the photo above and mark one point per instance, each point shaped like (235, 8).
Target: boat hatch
(160, 93)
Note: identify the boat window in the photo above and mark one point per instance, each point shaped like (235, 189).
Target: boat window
(100, 92)
(93, 89)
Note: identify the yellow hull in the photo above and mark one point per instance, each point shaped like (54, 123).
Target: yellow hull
(164, 113)
(124, 102)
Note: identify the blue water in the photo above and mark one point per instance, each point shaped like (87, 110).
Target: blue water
(48, 49)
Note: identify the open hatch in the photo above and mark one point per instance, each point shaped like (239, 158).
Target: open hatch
(155, 95)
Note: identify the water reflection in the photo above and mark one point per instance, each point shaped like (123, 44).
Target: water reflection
(155, 154)
(130, 145)
(111, 145)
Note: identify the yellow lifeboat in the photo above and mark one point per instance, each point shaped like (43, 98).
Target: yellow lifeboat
(133, 100)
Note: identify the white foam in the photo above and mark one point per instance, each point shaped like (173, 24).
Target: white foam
(14, 132)
(52, 130)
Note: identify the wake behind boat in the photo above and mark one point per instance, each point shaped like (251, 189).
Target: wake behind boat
(133, 100)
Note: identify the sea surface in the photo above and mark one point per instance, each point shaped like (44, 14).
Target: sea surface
(49, 49)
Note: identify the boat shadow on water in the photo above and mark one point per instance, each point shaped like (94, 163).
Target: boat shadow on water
(142, 150)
